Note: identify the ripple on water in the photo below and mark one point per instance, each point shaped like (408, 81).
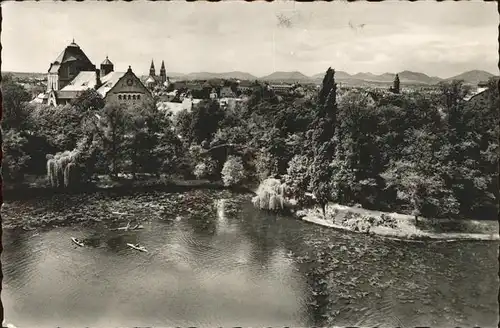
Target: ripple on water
(239, 269)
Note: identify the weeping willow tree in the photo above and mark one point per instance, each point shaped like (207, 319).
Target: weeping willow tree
(64, 169)
(270, 195)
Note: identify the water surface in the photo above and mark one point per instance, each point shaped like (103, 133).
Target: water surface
(223, 263)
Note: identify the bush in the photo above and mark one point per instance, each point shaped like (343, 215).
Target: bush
(233, 171)
(205, 169)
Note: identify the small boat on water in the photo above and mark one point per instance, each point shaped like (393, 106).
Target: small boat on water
(137, 247)
(78, 242)
(128, 227)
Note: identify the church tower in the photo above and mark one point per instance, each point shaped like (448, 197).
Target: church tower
(152, 71)
(163, 72)
(106, 67)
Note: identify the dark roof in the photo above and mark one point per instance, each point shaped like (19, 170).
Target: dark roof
(106, 62)
(69, 54)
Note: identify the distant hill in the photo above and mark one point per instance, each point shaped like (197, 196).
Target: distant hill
(338, 75)
(227, 75)
(415, 77)
(385, 78)
(472, 77)
(286, 77)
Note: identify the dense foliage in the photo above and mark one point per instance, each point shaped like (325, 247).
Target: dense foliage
(430, 153)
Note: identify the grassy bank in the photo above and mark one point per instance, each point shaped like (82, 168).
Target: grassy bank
(399, 226)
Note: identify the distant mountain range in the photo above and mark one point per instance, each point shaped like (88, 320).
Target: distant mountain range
(407, 77)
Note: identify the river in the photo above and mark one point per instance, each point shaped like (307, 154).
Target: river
(223, 263)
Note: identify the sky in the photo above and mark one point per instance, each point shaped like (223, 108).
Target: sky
(439, 39)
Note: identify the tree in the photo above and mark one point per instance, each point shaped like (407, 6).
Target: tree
(233, 171)
(323, 127)
(14, 109)
(142, 124)
(418, 188)
(88, 100)
(395, 85)
(327, 86)
(112, 128)
(14, 156)
(205, 121)
(297, 178)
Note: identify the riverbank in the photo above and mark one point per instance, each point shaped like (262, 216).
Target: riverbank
(38, 186)
(173, 198)
(399, 226)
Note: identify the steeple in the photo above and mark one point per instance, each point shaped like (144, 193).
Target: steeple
(152, 71)
(163, 72)
(106, 67)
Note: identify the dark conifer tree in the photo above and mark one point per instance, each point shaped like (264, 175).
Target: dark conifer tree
(322, 141)
(395, 86)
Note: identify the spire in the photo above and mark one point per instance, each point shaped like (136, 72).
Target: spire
(152, 71)
(73, 44)
(163, 73)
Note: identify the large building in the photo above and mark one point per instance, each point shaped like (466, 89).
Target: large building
(155, 80)
(72, 73)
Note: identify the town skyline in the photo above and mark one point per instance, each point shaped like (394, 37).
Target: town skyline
(437, 39)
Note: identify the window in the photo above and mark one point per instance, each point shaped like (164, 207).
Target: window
(138, 97)
(119, 97)
(129, 97)
(133, 97)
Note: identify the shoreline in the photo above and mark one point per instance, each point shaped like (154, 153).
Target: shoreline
(397, 226)
(175, 192)
(40, 187)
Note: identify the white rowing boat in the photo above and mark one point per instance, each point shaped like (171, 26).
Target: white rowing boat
(129, 228)
(76, 241)
(137, 247)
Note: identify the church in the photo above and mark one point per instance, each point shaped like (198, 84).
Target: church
(72, 73)
(157, 81)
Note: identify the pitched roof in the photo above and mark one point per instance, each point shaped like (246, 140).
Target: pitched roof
(109, 81)
(106, 62)
(70, 53)
(84, 80)
(54, 68)
(478, 92)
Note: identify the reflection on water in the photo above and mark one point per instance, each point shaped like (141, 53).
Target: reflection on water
(227, 264)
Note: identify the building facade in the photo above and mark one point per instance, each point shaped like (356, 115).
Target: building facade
(72, 73)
